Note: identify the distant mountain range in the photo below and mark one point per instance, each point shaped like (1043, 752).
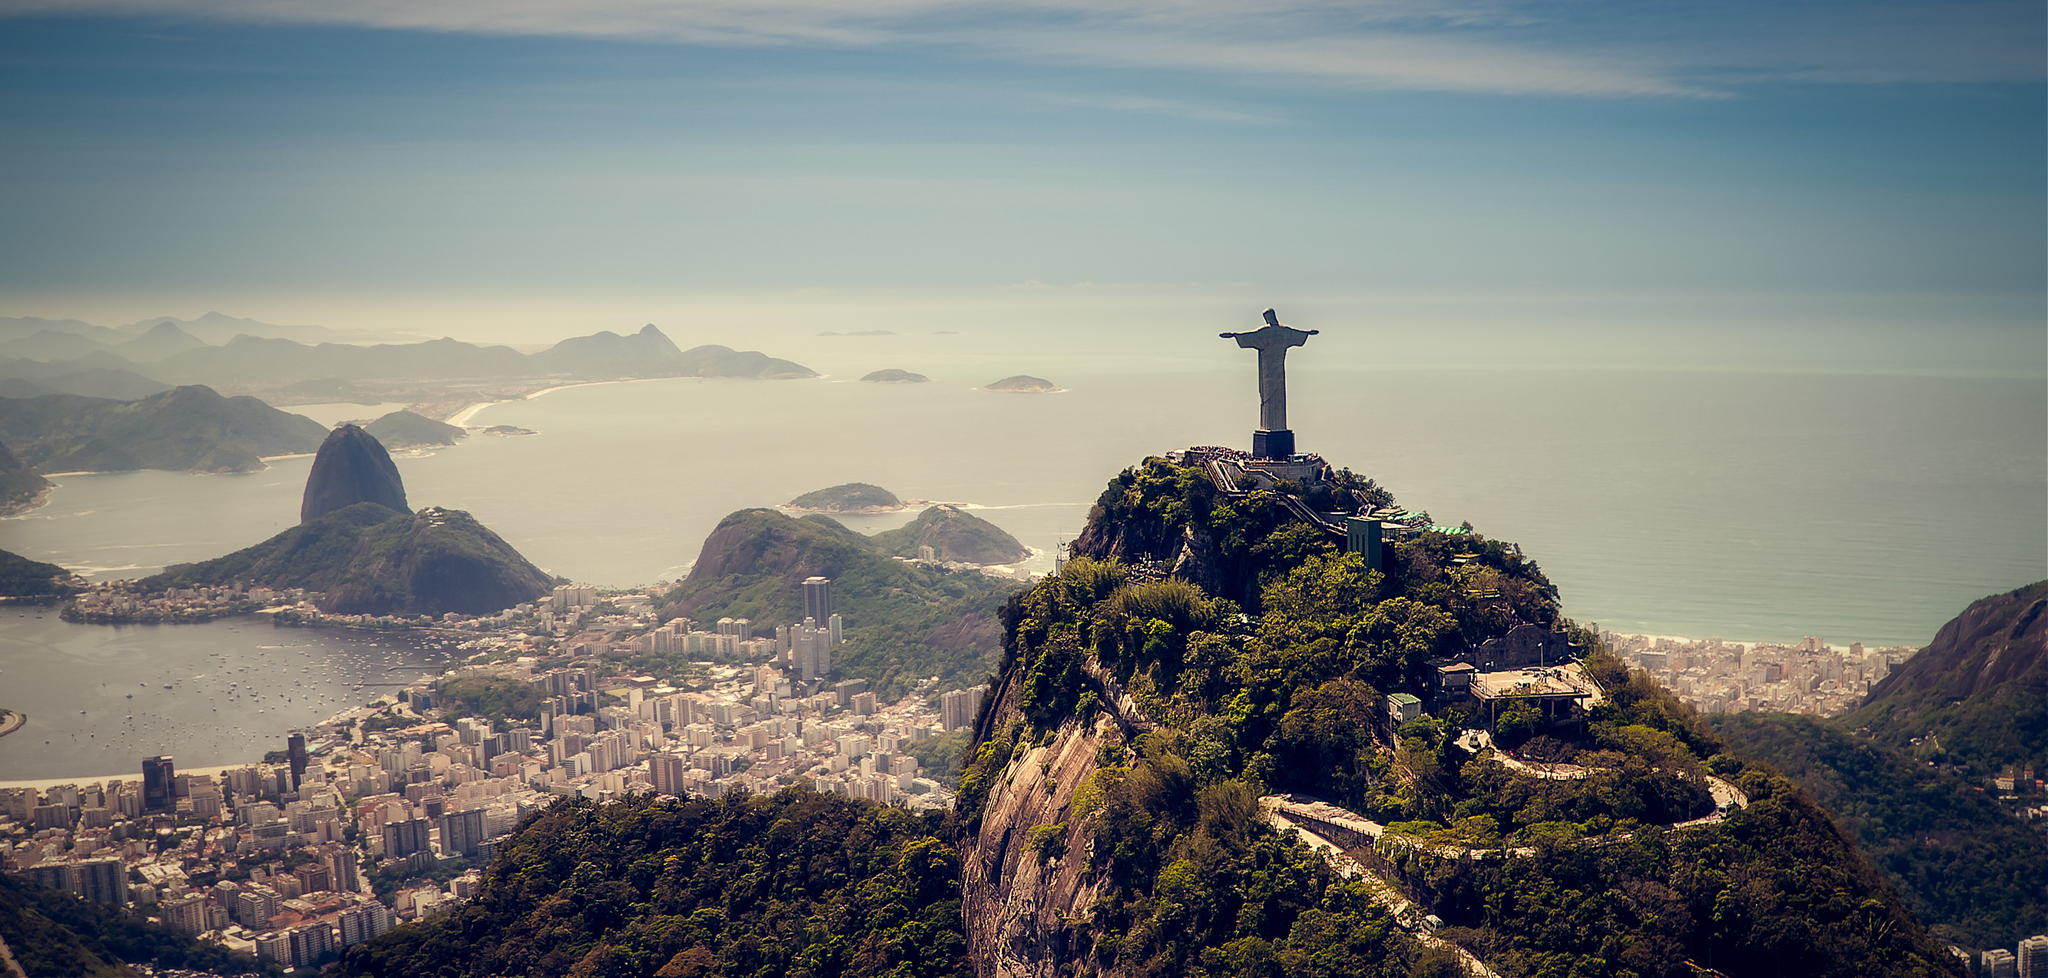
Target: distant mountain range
(41, 357)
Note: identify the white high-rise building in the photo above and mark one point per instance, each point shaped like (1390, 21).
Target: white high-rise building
(961, 707)
(2033, 957)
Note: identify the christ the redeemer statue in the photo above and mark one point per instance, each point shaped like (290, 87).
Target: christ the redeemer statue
(1273, 439)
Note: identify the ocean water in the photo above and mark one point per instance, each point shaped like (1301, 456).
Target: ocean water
(1763, 505)
(1735, 504)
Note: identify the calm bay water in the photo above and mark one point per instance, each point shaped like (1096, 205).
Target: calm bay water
(1750, 505)
(99, 698)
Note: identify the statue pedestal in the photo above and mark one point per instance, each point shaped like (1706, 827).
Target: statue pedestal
(1273, 444)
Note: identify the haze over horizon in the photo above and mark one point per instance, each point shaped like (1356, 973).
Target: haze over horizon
(1839, 184)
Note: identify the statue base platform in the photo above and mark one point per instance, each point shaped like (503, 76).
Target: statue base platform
(1273, 444)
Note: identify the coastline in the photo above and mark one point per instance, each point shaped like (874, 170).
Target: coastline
(1751, 644)
(44, 784)
(12, 720)
(468, 413)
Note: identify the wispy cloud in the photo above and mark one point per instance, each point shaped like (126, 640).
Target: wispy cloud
(1520, 47)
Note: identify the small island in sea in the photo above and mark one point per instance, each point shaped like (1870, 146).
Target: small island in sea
(1023, 384)
(406, 429)
(893, 375)
(851, 497)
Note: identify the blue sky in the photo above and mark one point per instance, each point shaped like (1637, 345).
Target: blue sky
(463, 167)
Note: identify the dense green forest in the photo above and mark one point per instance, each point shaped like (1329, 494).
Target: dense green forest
(1959, 858)
(904, 622)
(796, 884)
(1277, 690)
(54, 933)
(496, 698)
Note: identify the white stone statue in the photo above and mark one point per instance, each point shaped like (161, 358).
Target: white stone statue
(1272, 341)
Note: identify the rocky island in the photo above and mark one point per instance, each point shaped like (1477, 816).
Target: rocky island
(1023, 384)
(851, 498)
(893, 375)
(404, 429)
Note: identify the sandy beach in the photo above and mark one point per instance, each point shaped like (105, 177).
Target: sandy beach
(462, 418)
(44, 784)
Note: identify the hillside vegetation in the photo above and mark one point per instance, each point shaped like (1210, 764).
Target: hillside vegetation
(904, 622)
(21, 577)
(187, 428)
(1260, 667)
(1976, 698)
(796, 884)
(52, 933)
(953, 535)
(1964, 863)
(369, 559)
(1907, 771)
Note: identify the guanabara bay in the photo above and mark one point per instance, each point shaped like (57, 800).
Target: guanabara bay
(1259, 719)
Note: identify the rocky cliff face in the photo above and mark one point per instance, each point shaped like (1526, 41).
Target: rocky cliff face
(1026, 915)
(351, 467)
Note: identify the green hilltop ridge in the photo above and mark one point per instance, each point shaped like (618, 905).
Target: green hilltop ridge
(21, 577)
(954, 536)
(1976, 697)
(847, 497)
(370, 559)
(183, 429)
(1208, 659)
(904, 621)
(405, 429)
(1906, 771)
(20, 487)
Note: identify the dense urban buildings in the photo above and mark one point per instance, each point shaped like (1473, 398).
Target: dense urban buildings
(386, 812)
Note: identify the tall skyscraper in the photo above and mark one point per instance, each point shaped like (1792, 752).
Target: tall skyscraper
(462, 832)
(666, 771)
(961, 707)
(403, 838)
(159, 779)
(818, 600)
(295, 753)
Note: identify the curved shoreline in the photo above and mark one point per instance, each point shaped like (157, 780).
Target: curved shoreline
(12, 720)
(462, 418)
